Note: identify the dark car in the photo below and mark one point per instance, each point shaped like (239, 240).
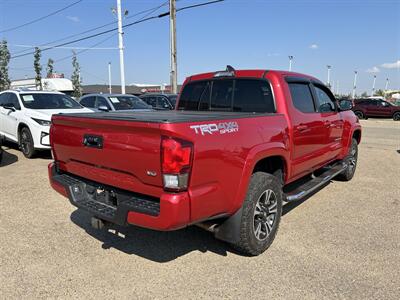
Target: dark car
(113, 102)
(1, 149)
(365, 108)
(160, 101)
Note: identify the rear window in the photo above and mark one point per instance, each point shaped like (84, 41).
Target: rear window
(240, 95)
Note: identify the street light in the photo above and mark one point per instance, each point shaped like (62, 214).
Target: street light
(373, 86)
(354, 84)
(290, 62)
(329, 76)
(387, 84)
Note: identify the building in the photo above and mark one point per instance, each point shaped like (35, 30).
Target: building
(49, 84)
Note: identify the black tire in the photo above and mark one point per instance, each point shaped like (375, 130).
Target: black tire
(259, 223)
(396, 116)
(359, 114)
(26, 143)
(351, 159)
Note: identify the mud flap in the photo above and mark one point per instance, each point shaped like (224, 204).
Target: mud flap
(229, 230)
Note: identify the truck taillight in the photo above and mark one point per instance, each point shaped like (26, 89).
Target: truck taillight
(176, 163)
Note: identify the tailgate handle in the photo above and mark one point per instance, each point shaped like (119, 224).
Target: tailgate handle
(94, 141)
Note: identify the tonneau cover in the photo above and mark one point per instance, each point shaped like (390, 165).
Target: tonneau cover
(167, 116)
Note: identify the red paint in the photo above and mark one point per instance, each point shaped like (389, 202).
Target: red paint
(221, 164)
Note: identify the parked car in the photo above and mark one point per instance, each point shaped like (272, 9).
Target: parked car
(239, 144)
(365, 108)
(160, 101)
(113, 102)
(1, 148)
(25, 116)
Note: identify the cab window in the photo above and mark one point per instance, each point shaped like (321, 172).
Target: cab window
(324, 102)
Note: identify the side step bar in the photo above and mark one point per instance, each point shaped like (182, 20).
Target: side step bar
(310, 186)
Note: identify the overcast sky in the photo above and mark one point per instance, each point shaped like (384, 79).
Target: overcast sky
(346, 34)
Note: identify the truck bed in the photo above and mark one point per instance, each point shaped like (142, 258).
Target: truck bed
(168, 116)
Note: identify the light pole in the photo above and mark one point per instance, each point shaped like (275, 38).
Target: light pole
(373, 86)
(121, 46)
(172, 28)
(328, 83)
(337, 87)
(387, 84)
(354, 84)
(109, 78)
(290, 62)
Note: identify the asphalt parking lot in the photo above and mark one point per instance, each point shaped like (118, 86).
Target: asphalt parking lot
(343, 242)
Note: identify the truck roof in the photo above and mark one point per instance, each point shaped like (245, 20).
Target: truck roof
(255, 73)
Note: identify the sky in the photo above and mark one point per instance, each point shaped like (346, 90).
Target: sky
(348, 35)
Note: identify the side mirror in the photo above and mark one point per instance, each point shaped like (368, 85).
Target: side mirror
(103, 108)
(9, 107)
(345, 105)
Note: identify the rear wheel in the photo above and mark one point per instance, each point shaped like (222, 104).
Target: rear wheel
(396, 116)
(359, 114)
(262, 211)
(351, 160)
(26, 143)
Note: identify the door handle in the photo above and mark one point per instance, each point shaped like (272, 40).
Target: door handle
(302, 127)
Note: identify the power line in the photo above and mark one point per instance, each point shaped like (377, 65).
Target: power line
(93, 29)
(115, 29)
(41, 18)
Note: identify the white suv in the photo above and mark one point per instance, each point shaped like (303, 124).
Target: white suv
(25, 116)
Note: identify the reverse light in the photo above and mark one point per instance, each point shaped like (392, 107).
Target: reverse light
(176, 161)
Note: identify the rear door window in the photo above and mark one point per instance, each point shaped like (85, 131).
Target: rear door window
(100, 101)
(88, 101)
(301, 97)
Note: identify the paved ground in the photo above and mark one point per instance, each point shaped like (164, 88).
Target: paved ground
(343, 242)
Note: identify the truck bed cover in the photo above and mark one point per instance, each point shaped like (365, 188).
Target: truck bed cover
(167, 116)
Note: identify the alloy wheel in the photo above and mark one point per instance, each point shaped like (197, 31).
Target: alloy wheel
(265, 213)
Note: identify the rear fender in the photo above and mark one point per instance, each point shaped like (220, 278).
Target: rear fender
(255, 155)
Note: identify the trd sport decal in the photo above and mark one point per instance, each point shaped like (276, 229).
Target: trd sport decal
(221, 128)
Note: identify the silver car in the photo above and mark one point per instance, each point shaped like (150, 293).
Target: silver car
(113, 102)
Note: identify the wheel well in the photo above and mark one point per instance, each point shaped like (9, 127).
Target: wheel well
(20, 126)
(357, 135)
(274, 165)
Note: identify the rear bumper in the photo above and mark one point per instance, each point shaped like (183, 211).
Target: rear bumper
(169, 212)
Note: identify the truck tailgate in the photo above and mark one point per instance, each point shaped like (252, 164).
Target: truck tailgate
(114, 152)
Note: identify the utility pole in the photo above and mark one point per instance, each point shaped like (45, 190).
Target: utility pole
(329, 76)
(373, 86)
(354, 84)
(172, 28)
(109, 78)
(121, 46)
(290, 62)
(333, 87)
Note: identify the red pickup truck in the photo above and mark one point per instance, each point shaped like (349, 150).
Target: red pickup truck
(238, 145)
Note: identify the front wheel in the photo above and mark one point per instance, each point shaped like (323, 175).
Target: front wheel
(262, 210)
(351, 161)
(26, 143)
(359, 114)
(396, 116)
